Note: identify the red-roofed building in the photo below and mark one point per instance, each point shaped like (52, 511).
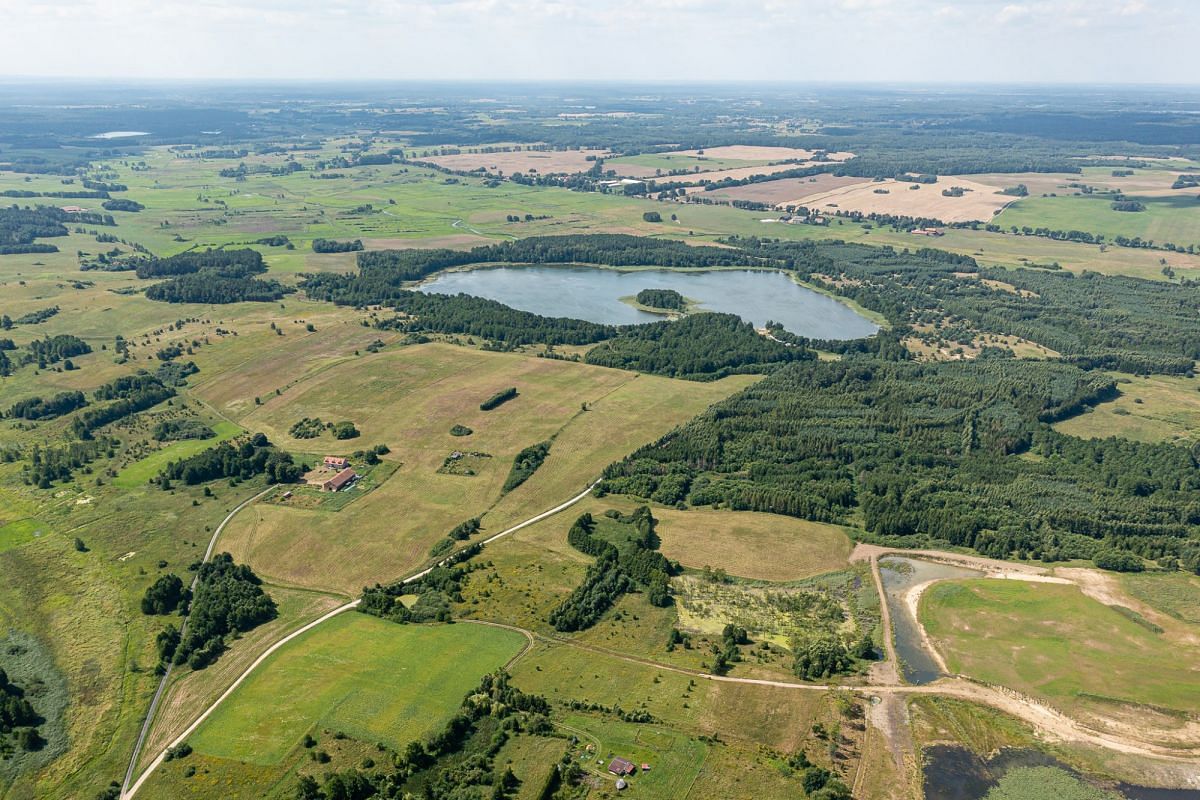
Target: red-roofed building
(621, 766)
(336, 462)
(339, 481)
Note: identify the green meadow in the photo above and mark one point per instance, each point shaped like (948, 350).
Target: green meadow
(1166, 219)
(142, 471)
(1051, 641)
(376, 681)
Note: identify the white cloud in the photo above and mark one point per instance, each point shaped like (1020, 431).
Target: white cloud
(1013, 12)
(815, 40)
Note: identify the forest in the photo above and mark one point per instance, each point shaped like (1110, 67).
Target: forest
(488, 319)
(632, 561)
(228, 599)
(699, 347)
(252, 456)
(662, 298)
(38, 408)
(1093, 320)
(932, 453)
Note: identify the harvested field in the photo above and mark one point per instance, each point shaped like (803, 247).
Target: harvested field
(788, 191)
(1145, 182)
(981, 201)
(542, 161)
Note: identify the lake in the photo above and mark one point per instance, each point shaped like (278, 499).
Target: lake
(594, 294)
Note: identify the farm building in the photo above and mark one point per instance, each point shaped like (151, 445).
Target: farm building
(336, 462)
(621, 766)
(74, 209)
(928, 232)
(339, 481)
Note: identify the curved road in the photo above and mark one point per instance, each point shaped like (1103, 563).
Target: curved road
(162, 684)
(131, 787)
(1041, 717)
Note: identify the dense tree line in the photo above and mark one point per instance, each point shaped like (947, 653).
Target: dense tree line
(122, 397)
(215, 289)
(36, 317)
(334, 246)
(20, 227)
(56, 406)
(699, 346)
(525, 464)
(498, 399)
(243, 461)
(229, 599)
(231, 263)
(488, 319)
(932, 452)
(54, 349)
(122, 204)
(619, 568)
(662, 298)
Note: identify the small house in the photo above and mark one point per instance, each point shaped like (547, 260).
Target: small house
(621, 766)
(339, 481)
(336, 462)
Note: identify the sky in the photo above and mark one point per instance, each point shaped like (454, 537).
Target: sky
(917, 41)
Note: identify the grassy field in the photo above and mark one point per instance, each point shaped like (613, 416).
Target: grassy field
(1175, 594)
(374, 680)
(1051, 641)
(190, 691)
(20, 531)
(1156, 408)
(1166, 219)
(752, 545)
(139, 473)
(409, 398)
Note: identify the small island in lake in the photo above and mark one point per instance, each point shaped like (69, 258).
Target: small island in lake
(660, 301)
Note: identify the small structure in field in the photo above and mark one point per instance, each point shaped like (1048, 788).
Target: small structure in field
(928, 232)
(74, 209)
(336, 462)
(621, 766)
(621, 784)
(645, 767)
(339, 481)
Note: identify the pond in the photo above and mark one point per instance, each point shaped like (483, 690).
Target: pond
(899, 575)
(955, 773)
(594, 294)
(120, 134)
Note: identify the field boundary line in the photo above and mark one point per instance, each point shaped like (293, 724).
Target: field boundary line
(129, 790)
